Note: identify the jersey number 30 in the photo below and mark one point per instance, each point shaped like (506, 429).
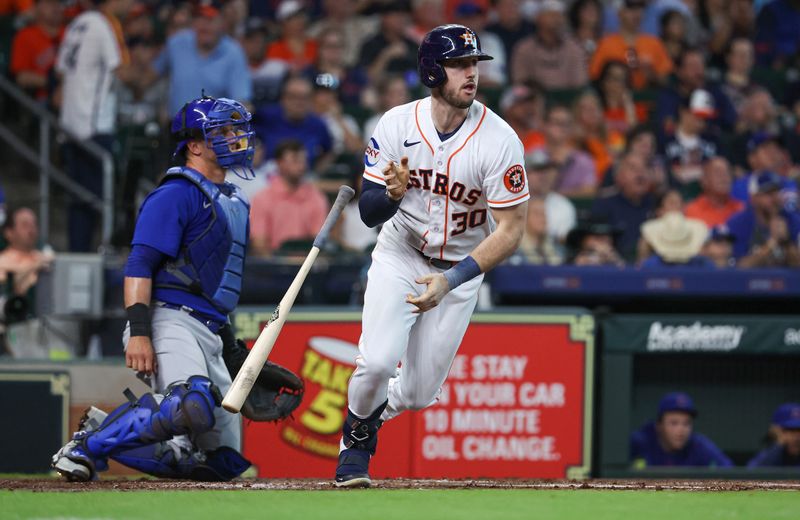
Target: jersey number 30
(473, 219)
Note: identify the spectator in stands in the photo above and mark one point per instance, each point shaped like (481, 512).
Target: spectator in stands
(295, 47)
(139, 23)
(33, 51)
(577, 177)
(675, 241)
(392, 92)
(715, 205)
(614, 86)
(641, 142)
(19, 8)
(766, 234)
(690, 75)
(786, 452)
(493, 73)
(759, 116)
(592, 134)
(330, 61)
(670, 440)
(542, 176)
(521, 106)
(267, 75)
(509, 25)
(390, 50)
(179, 18)
(591, 243)
(673, 28)
(777, 39)
(736, 83)
(291, 207)
(628, 204)
(204, 59)
(538, 247)
(549, 58)
(719, 247)
(21, 258)
(766, 153)
(425, 15)
(723, 21)
(690, 147)
(341, 15)
(293, 118)
(667, 201)
(644, 54)
(343, 129)
(234, 17)
(586, 22)
(93, 54)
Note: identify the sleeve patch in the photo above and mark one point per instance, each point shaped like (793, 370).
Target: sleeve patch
(372, 153)
(514, 179)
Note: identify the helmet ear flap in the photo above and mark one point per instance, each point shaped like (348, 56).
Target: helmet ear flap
(431, 72)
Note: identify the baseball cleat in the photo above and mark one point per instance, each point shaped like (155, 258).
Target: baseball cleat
(353, 468)
(353, 481)
(73, 463)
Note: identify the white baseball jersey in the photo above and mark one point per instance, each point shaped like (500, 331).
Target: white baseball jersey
(453, 184)
(87, 58)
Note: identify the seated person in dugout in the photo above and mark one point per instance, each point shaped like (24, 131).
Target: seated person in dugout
(670, 439)
(786, 450)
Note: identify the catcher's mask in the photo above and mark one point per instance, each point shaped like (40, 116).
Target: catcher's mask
(224, 125)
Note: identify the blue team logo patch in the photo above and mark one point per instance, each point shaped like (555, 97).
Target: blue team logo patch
(372, 153)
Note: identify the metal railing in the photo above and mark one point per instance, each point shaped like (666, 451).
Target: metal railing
(49, 173)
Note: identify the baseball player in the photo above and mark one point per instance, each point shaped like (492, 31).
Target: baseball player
(182, 279)
(670, 440)
(445, 177)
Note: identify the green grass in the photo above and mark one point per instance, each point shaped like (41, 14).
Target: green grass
(412, 504)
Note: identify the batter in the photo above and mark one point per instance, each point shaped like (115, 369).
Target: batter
(445, 177)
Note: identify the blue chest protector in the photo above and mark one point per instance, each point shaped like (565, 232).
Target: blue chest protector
(211, 265)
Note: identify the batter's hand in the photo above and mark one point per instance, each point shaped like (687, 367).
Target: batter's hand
(139, 355)
(396, 177)
(437, 289)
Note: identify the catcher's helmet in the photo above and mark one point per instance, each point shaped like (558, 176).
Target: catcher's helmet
(204, 118)
(444, 43)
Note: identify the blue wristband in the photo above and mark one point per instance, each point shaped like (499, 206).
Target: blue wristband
(464, 271)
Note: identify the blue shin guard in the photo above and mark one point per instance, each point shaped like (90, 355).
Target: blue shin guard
(172, 459)
(188, 408)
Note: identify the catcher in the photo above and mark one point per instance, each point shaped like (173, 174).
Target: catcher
(182, 280)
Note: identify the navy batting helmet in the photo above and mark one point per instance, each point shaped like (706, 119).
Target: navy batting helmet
(446, 42)
(205, 118)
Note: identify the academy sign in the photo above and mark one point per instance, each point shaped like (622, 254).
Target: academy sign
(694, 337)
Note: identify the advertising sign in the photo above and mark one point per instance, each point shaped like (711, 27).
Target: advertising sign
(517, 402)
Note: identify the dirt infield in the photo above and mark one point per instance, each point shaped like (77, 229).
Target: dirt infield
(311, 484)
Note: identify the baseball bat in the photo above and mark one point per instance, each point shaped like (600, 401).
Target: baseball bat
(246, 378)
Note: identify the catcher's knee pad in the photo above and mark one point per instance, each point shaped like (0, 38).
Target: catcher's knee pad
(362, 434)
(176, 459)
(187, 408)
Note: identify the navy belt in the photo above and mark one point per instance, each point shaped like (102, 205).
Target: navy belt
(436, 262)
(212, 325)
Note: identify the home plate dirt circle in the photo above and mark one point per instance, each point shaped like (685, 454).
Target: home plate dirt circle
(41, 485)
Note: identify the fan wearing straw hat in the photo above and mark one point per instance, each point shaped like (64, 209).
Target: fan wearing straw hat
(676, 240)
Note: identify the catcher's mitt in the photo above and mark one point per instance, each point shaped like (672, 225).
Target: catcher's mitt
(277, 391)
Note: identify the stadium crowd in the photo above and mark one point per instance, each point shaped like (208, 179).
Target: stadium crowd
(657, 133)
